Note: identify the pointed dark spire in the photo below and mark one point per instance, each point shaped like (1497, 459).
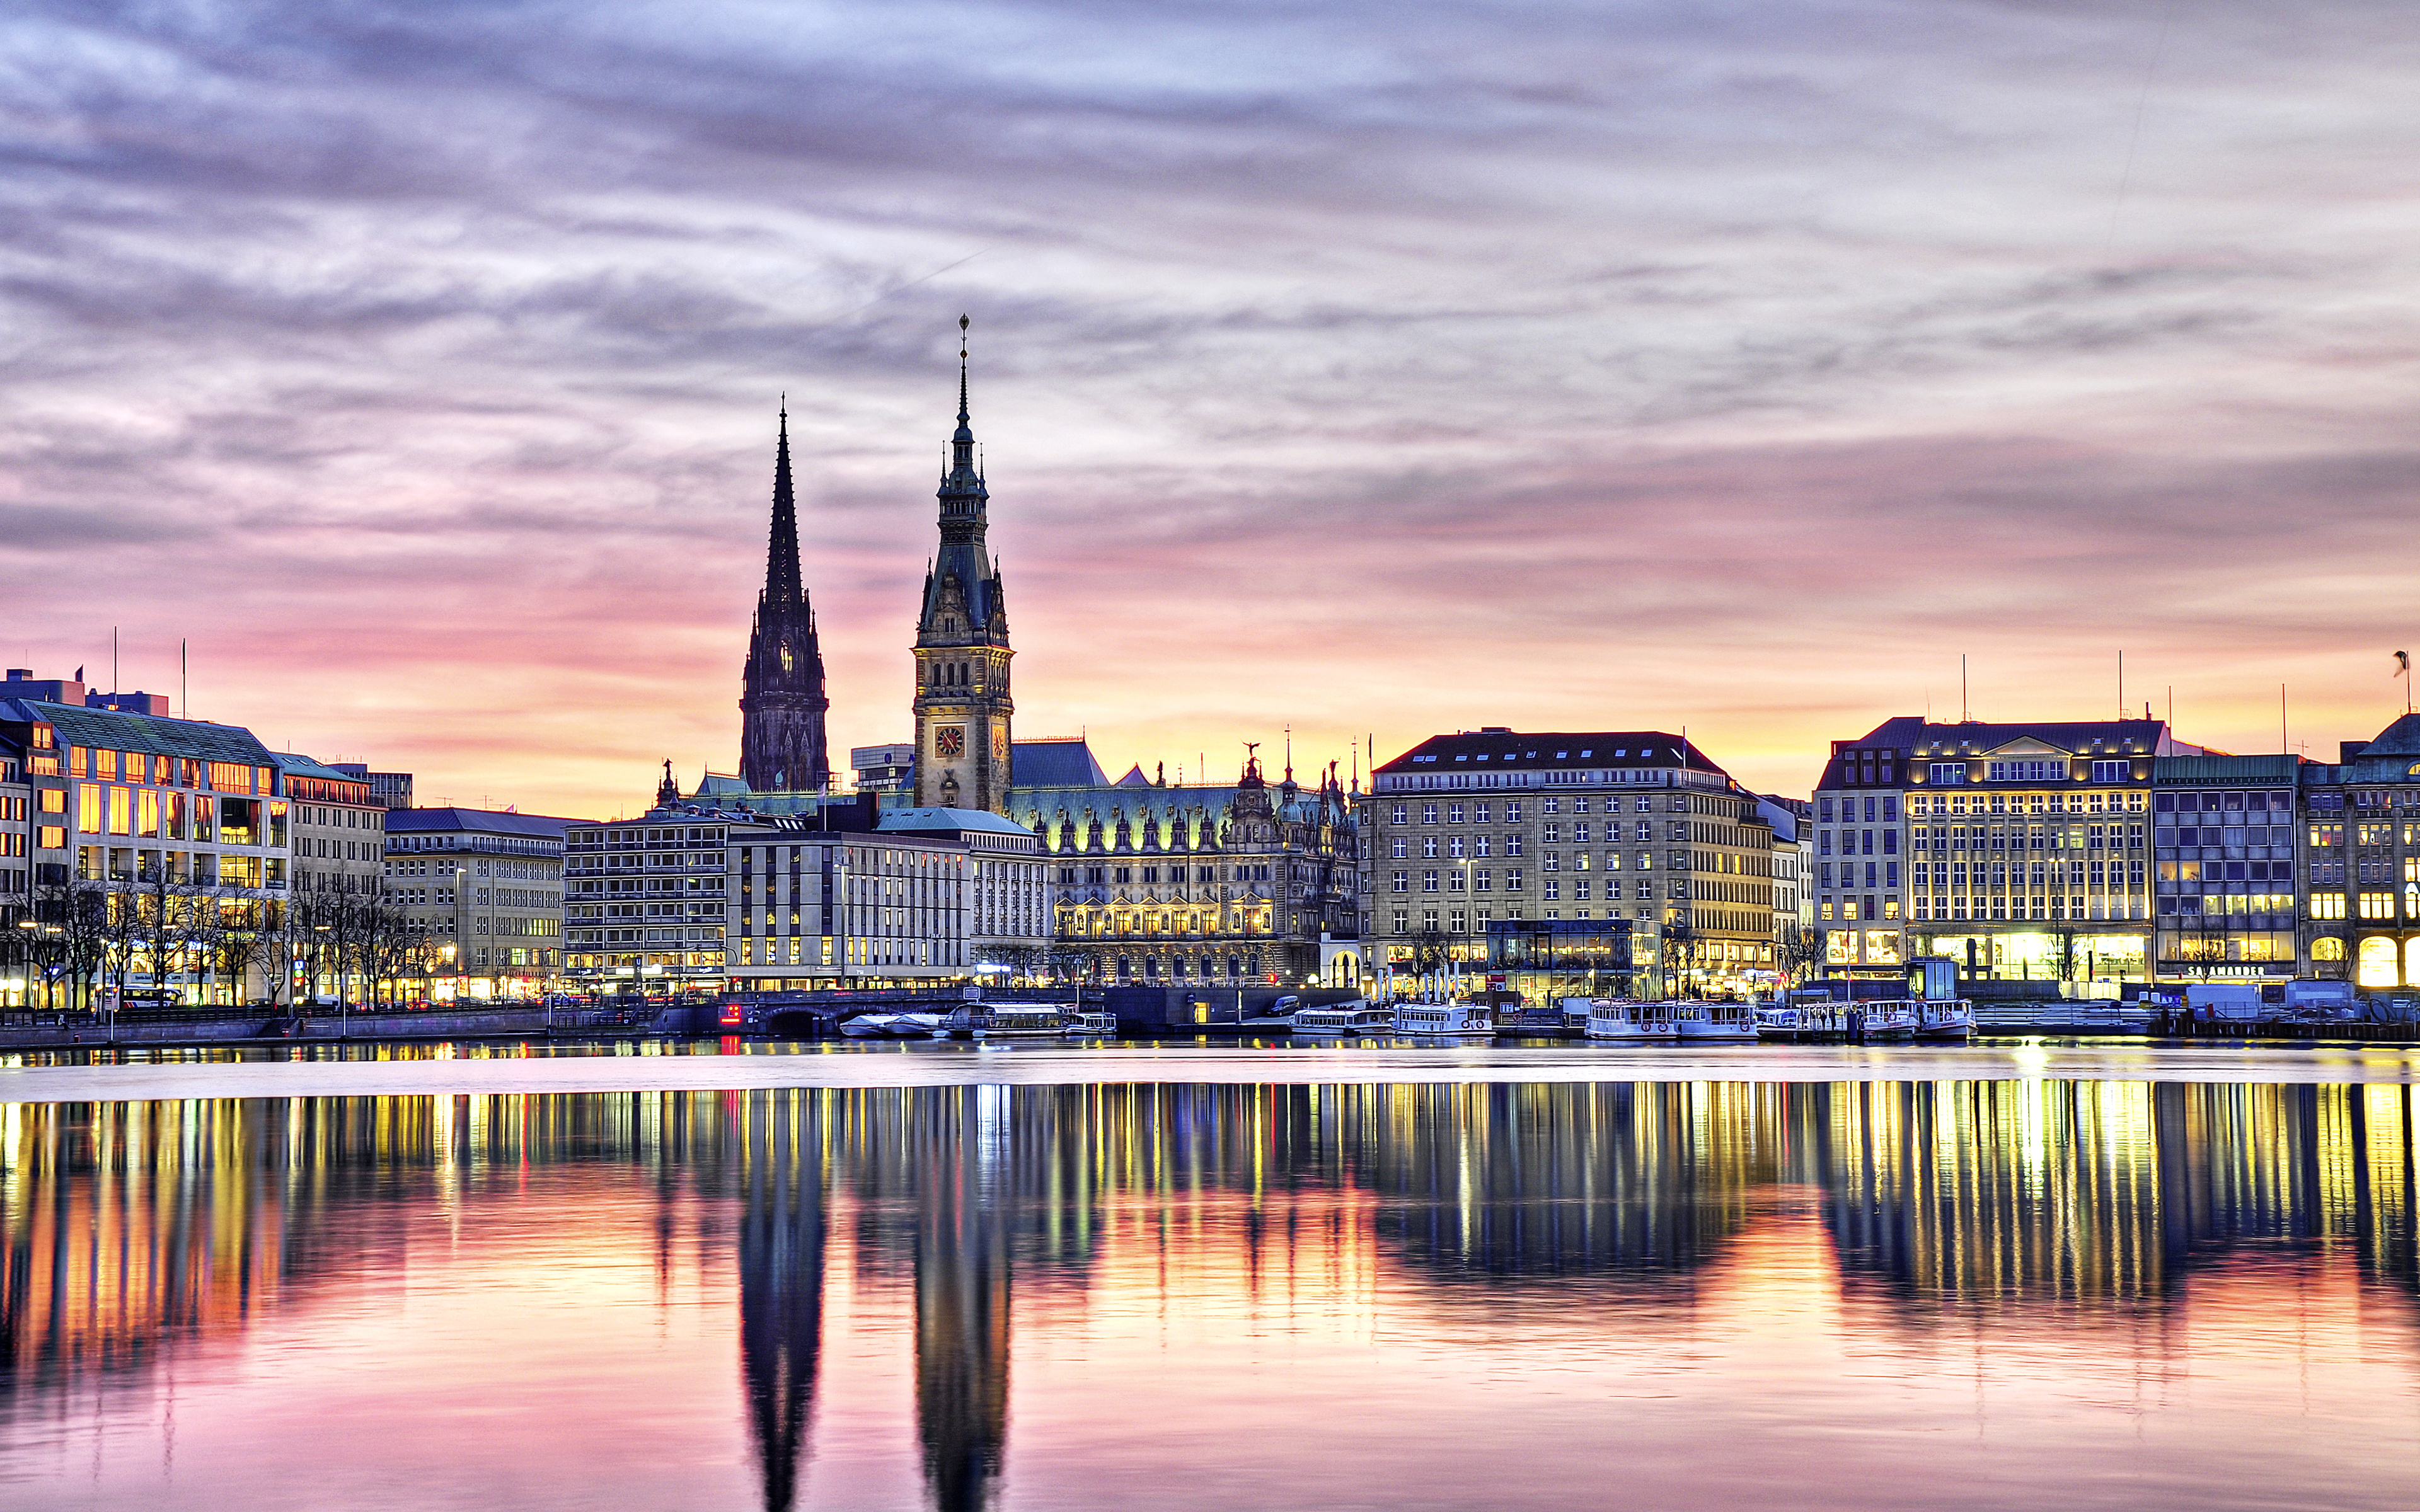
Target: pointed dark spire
(781, 735)
(782, 580)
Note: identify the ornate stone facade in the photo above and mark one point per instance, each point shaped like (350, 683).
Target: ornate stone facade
(1153, 884)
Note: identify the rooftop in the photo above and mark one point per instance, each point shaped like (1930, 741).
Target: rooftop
(1054, 763)
(907, 820)
(150, 734)
(1549, 750)
(477, 821)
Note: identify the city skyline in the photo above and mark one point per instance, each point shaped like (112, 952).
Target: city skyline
(1555, 374)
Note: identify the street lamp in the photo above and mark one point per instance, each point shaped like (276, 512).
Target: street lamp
(25, 955)
(320, 969)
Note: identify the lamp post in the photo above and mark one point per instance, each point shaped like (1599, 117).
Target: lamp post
(27, 926)
(319, 968)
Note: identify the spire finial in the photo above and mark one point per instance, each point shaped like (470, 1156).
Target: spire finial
(963, 323)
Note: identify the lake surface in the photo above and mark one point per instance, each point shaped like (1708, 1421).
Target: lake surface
(1085, 1293)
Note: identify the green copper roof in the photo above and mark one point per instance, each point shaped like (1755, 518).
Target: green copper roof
(151, 735)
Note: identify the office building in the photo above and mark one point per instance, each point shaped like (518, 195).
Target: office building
(2226, 898)
(2360, 860)
(1497, 823)
(174, 810)
(337, 829)
(485, 889)
(2020, 850)
(886, 770)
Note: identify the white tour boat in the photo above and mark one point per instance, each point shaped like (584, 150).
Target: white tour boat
(1093, 1023)
(1444, 1021)
(1006, 1021)
(1343, 1020)
(1951, 1020)
(1714, 1022)
(1632, 1023)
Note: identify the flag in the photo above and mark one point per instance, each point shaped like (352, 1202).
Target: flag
(2403, 664)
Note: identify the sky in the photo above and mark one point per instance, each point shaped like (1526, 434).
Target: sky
(1370, 372)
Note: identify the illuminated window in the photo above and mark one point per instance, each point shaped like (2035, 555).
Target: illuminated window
(2381, 964)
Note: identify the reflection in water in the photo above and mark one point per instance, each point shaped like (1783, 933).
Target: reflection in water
(133, 1232)
(782, 1282)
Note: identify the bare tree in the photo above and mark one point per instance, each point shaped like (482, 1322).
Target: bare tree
(1680, 946)
(1066, 961)
(73, 915)
(277, 946)
(1800, 952)
(240, 941)
(166, 920)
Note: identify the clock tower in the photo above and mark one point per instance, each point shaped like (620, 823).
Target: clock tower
(962, 703)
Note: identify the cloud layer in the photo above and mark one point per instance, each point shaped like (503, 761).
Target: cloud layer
(1729, 365)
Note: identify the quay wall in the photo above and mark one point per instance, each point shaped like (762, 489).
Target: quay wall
(257, 1027)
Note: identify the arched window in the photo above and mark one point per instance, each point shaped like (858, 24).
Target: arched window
(2327, 948)
(2381, 963)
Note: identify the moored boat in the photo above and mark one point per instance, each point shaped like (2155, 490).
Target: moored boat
(1344, 1020)
(1714, 1022)
(1953, 1019)
(1632, 1023)
(1866, 1020)
(1445, 1021)
(1093, 1023)
(1004, 1021)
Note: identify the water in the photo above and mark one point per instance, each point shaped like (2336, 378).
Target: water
(1082, 1291)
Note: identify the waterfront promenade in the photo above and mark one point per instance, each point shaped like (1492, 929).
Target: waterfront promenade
(491, 1069)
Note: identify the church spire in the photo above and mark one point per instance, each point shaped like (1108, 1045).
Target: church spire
(783, 702)
(781, 581)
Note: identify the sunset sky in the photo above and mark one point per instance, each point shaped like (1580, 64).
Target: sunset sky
(1381, 371)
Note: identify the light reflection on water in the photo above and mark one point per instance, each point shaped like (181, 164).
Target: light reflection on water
(1935, 1294)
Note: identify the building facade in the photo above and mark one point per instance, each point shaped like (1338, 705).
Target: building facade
(647, 900)
(822, 909)
(783, 702)
(840, 895)
(2022, 850)
(2226, 898)
(392, 789)
(1496, 824)
(884, 770)
(156, 849)
(2360, 860)
(1793, 821)
(337, 830)
(486, 890)
(1010, 915)
(1160, 885)
(962, 704)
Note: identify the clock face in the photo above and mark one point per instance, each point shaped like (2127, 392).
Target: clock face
(950, 741)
